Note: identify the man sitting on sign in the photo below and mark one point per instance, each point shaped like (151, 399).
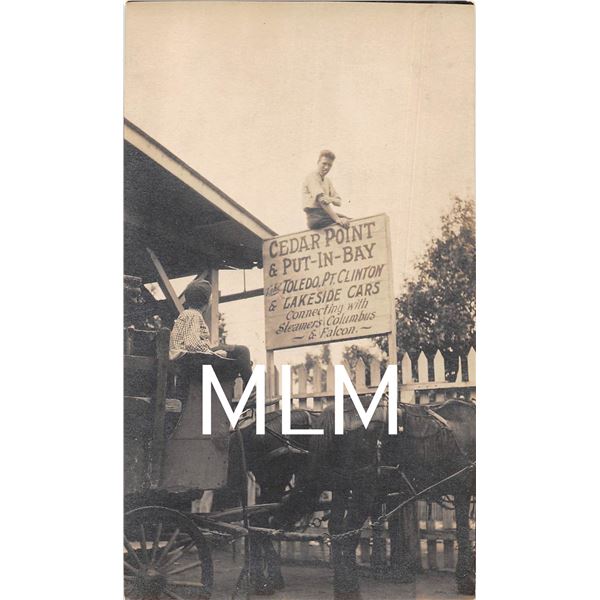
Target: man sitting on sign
(319, 196)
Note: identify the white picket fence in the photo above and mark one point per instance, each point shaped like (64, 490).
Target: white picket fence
(313, 390)
(436, 524)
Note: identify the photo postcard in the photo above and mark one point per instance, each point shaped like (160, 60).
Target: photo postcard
(299, 300)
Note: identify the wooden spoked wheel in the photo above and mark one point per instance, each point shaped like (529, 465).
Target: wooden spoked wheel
(165, 556)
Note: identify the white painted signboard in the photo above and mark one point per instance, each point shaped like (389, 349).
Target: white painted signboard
(329, 284)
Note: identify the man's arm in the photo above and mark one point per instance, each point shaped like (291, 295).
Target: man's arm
(334, 197)
(335, 200)
(314, 188)
(322, 200)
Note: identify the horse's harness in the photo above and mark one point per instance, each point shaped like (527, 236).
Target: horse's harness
(288, 444)
(366, 471)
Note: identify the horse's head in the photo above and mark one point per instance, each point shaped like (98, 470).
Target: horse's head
(461, 418)
(427, 437)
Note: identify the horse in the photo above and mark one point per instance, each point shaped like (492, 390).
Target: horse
(273, 459)
(363, 465)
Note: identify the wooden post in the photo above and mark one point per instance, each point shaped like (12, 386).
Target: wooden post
(471, 366)
(393, 349)
(449, 562)
(439, 374)
(211, 314)
(471, 371)
(394, 530)
(270, 383)
(423, 376)
(317, 386)
(375, 372)
(361, 376)
(276, 388)
(302, 381)
(432, 563)
(160, 398)
(407, 396)
(459, 373)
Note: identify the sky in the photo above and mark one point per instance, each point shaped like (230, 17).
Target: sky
(249, 93)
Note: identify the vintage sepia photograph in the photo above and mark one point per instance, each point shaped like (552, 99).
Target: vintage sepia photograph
(299, 300)
(252, 287)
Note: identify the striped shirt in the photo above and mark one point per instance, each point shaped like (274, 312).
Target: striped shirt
(189, 334)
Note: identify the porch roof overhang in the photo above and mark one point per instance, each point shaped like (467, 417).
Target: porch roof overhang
(188, 222)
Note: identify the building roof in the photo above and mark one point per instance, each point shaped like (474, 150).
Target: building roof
(188, 222)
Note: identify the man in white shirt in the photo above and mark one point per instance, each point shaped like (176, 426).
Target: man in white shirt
(319, 196)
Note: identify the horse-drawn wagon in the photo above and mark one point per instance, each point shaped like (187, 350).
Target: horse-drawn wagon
(178, 223)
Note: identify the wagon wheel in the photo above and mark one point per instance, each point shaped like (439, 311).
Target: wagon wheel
(165, 556)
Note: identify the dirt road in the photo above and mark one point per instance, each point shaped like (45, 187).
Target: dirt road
(315, 583)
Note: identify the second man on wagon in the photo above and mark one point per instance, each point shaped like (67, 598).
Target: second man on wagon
(190, 337)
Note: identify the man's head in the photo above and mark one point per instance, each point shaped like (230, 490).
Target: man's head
(197, 293)
(325, 162)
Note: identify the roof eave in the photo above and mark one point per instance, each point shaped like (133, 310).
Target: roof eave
(166, 159)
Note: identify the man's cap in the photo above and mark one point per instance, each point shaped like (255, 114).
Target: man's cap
(198, 292)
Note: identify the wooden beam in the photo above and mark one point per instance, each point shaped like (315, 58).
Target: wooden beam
(433, 385)
(330, 393)
(165, 285)
(242, 295)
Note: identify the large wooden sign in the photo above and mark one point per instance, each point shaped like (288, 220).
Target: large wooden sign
(329, 284)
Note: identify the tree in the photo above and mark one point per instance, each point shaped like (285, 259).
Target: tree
(353, 353)
(436, 309)
(311, 360)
